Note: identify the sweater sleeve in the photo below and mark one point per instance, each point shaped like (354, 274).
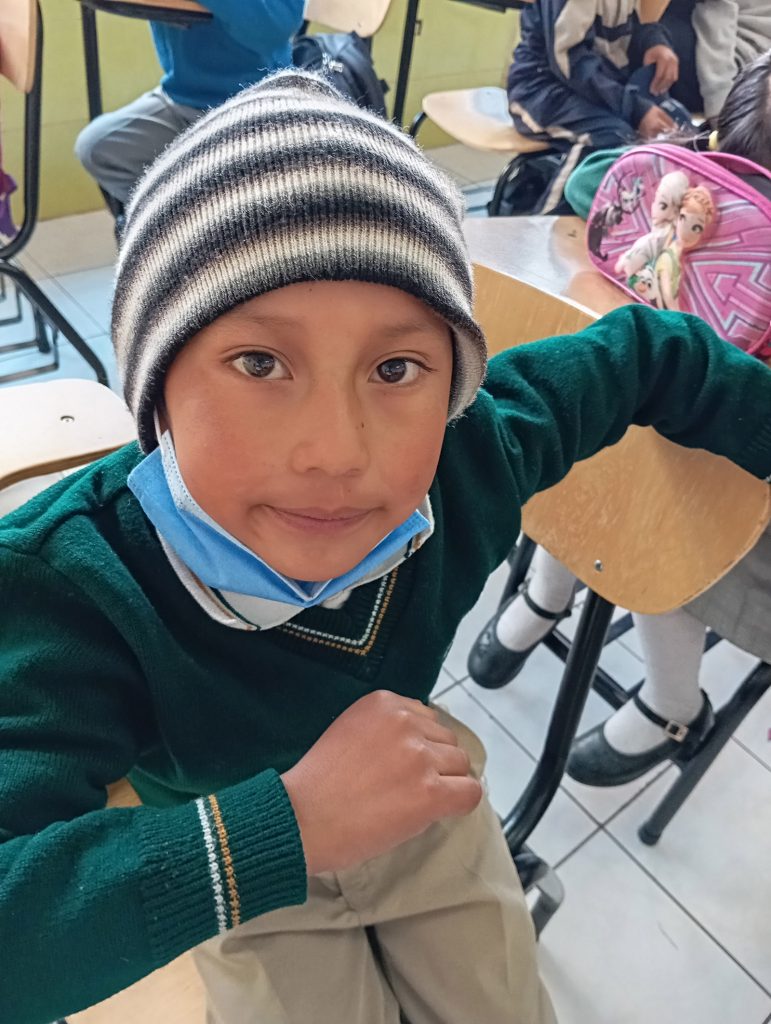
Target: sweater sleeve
(561, 400)
(261, 25)
(715, 23)
(91, 898)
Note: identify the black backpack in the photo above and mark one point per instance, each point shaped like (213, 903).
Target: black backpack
(528, 179)
(345, 59)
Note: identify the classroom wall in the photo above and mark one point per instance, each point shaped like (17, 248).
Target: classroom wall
(458, 46)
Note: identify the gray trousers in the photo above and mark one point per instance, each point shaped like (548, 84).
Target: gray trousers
(116, 147)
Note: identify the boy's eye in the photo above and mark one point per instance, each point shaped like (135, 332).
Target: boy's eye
(398, 371)
(260, 364)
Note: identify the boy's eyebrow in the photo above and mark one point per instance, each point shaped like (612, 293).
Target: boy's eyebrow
(415, 325)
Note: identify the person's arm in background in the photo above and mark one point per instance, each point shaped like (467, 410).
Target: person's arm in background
(715, 23)
(729, 34)
(261, 25)
(651, 43)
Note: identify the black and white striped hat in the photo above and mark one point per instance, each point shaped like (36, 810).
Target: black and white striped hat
(285, 182)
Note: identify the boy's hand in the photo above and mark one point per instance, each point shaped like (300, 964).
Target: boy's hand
(381, 774)
(667, 67)
(655, 122)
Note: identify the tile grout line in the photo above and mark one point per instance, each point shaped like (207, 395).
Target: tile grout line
(563, 789)
(753, 755)
(686, 911)
(86, 312)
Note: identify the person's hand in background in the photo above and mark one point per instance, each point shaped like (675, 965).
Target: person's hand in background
(655, 122)
(667, 68)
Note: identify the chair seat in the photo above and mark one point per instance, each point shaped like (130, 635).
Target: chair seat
(364, 17)
(479, 118)
(58, 424)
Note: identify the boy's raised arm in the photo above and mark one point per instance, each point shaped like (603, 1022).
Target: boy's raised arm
(563, 399)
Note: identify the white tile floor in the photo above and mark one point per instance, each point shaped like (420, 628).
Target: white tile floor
(679, 933)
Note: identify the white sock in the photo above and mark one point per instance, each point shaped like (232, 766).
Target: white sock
(672, 646)
(551, 587)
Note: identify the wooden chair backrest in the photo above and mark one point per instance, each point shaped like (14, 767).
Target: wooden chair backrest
(58, 424)
(646, 524)
(18, 38)
(362, 16)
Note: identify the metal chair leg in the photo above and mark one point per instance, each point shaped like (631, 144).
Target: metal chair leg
(40, 302)
(691, 771)
(551, 893)
(571, 697)
(416, 123)
(15, 317)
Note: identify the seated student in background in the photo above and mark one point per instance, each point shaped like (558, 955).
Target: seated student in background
(714, 40)
(738, 607)
(203, 65)
(588, 74)
(248, 611)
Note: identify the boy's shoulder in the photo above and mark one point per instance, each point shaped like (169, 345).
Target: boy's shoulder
(73, 506)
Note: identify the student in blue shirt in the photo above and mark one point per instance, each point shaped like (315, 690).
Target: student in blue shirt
(203, 65)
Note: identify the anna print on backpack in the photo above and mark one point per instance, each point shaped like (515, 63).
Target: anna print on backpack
(701, 246)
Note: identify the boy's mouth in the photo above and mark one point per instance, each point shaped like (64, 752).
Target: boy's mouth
(320, 520)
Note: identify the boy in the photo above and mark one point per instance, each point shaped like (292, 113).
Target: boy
(248, 613)
(203, 65)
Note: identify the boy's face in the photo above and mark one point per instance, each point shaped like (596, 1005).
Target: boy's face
(308, 422)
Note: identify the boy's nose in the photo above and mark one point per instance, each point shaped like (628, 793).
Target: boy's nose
(331, 436)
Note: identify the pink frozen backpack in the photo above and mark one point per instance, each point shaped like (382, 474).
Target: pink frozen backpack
(684, 230)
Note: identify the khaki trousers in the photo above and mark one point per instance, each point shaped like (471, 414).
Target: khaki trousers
(454, 931)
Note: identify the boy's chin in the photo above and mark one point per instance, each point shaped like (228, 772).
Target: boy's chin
(315, 567)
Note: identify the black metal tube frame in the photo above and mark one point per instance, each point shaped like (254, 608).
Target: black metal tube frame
(40, 302)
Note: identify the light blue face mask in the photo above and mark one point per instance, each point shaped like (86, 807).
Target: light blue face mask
(224, 563)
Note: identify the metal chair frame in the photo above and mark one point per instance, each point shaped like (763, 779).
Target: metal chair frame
(45, 313)
(582, 672)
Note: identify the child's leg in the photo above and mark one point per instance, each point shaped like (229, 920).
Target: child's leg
(641, 735)
(551, 587)
(672, 646)
(455, 932)
(116, 147)
(456, 935)
(301, 964)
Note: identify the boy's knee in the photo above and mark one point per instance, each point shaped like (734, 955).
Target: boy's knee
(90, 145)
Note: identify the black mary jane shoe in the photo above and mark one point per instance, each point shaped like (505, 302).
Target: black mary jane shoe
(492, 665)
(595, 762)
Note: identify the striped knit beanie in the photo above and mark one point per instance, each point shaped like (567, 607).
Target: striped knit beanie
(286, 182)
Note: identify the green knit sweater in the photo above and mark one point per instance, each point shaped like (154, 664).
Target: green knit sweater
(108, 666)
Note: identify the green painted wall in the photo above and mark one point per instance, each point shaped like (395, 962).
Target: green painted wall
(458, 46)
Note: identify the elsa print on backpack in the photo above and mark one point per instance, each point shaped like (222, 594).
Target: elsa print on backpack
(702, 246)
(665, 209)
(610, 214)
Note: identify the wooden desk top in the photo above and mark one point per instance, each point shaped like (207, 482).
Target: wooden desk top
(547, 252)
